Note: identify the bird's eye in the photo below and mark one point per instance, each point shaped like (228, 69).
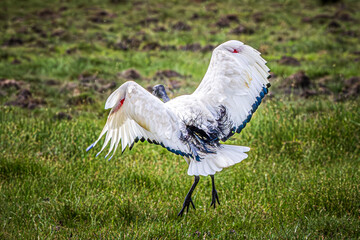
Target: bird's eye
(235, 51)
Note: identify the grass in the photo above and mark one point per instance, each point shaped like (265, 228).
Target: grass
(301, 179)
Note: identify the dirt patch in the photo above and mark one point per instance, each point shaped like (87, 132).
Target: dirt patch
(324, 18)
(81, 99)
(130, 74)
(16, 61)
(352, 87)
(106, 87)
(71, 50)
(13, 41)
(47, 14)
(151, 46)
(58, 32)
(24, 99)
(258, 17)
(222, 23)
(208, 48)
(226, 20)
(181, 26)
(195, 16)
(191, 47)
(285, 60)
(334, 25)
(10, 83)
(102, 16)
(148, 21)
(160, 29)
(168, 48)
(62, 116)
(167, 74)
(52, 82)
(298, 83)
(320, 18)
(87, 77)
(127, 43)
(242, 30)
(175, 84)
(350, 33)
(297, 80)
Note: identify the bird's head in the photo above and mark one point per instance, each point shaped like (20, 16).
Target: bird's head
(159, 91)
(232, 46)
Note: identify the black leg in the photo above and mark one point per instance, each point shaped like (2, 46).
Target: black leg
(188, 200)
(214, 192)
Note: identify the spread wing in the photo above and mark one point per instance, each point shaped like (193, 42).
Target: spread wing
(138, 115)
(237, 78)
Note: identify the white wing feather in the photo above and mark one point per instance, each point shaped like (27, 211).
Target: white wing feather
(237, 80)
(136, 114)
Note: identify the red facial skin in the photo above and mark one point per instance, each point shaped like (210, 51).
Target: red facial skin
(119, 105)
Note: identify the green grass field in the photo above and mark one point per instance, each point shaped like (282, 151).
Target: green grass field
(60, 60)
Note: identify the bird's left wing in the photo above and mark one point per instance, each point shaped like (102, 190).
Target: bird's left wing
(236, 81)
(138, 115)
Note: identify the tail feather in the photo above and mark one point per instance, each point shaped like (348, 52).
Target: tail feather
(225, 157)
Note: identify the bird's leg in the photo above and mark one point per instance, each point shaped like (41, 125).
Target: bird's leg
(188, 199)
(214, 192)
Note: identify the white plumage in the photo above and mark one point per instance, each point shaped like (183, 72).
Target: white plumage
(192, 125)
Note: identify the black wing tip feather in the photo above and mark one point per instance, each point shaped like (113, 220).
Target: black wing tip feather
(252, 111)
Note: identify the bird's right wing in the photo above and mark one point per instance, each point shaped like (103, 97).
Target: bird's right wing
(138, 115)
(237, 80)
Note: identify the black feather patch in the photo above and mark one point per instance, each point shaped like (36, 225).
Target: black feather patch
(204, 135)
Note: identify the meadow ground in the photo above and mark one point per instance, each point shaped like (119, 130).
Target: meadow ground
(60, 60)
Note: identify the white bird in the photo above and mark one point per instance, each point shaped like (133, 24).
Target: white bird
(193, 125)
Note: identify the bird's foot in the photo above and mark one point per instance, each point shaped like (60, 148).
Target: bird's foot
(186, 205)
(214, 198)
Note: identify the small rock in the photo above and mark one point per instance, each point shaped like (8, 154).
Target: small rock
(289, 61)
